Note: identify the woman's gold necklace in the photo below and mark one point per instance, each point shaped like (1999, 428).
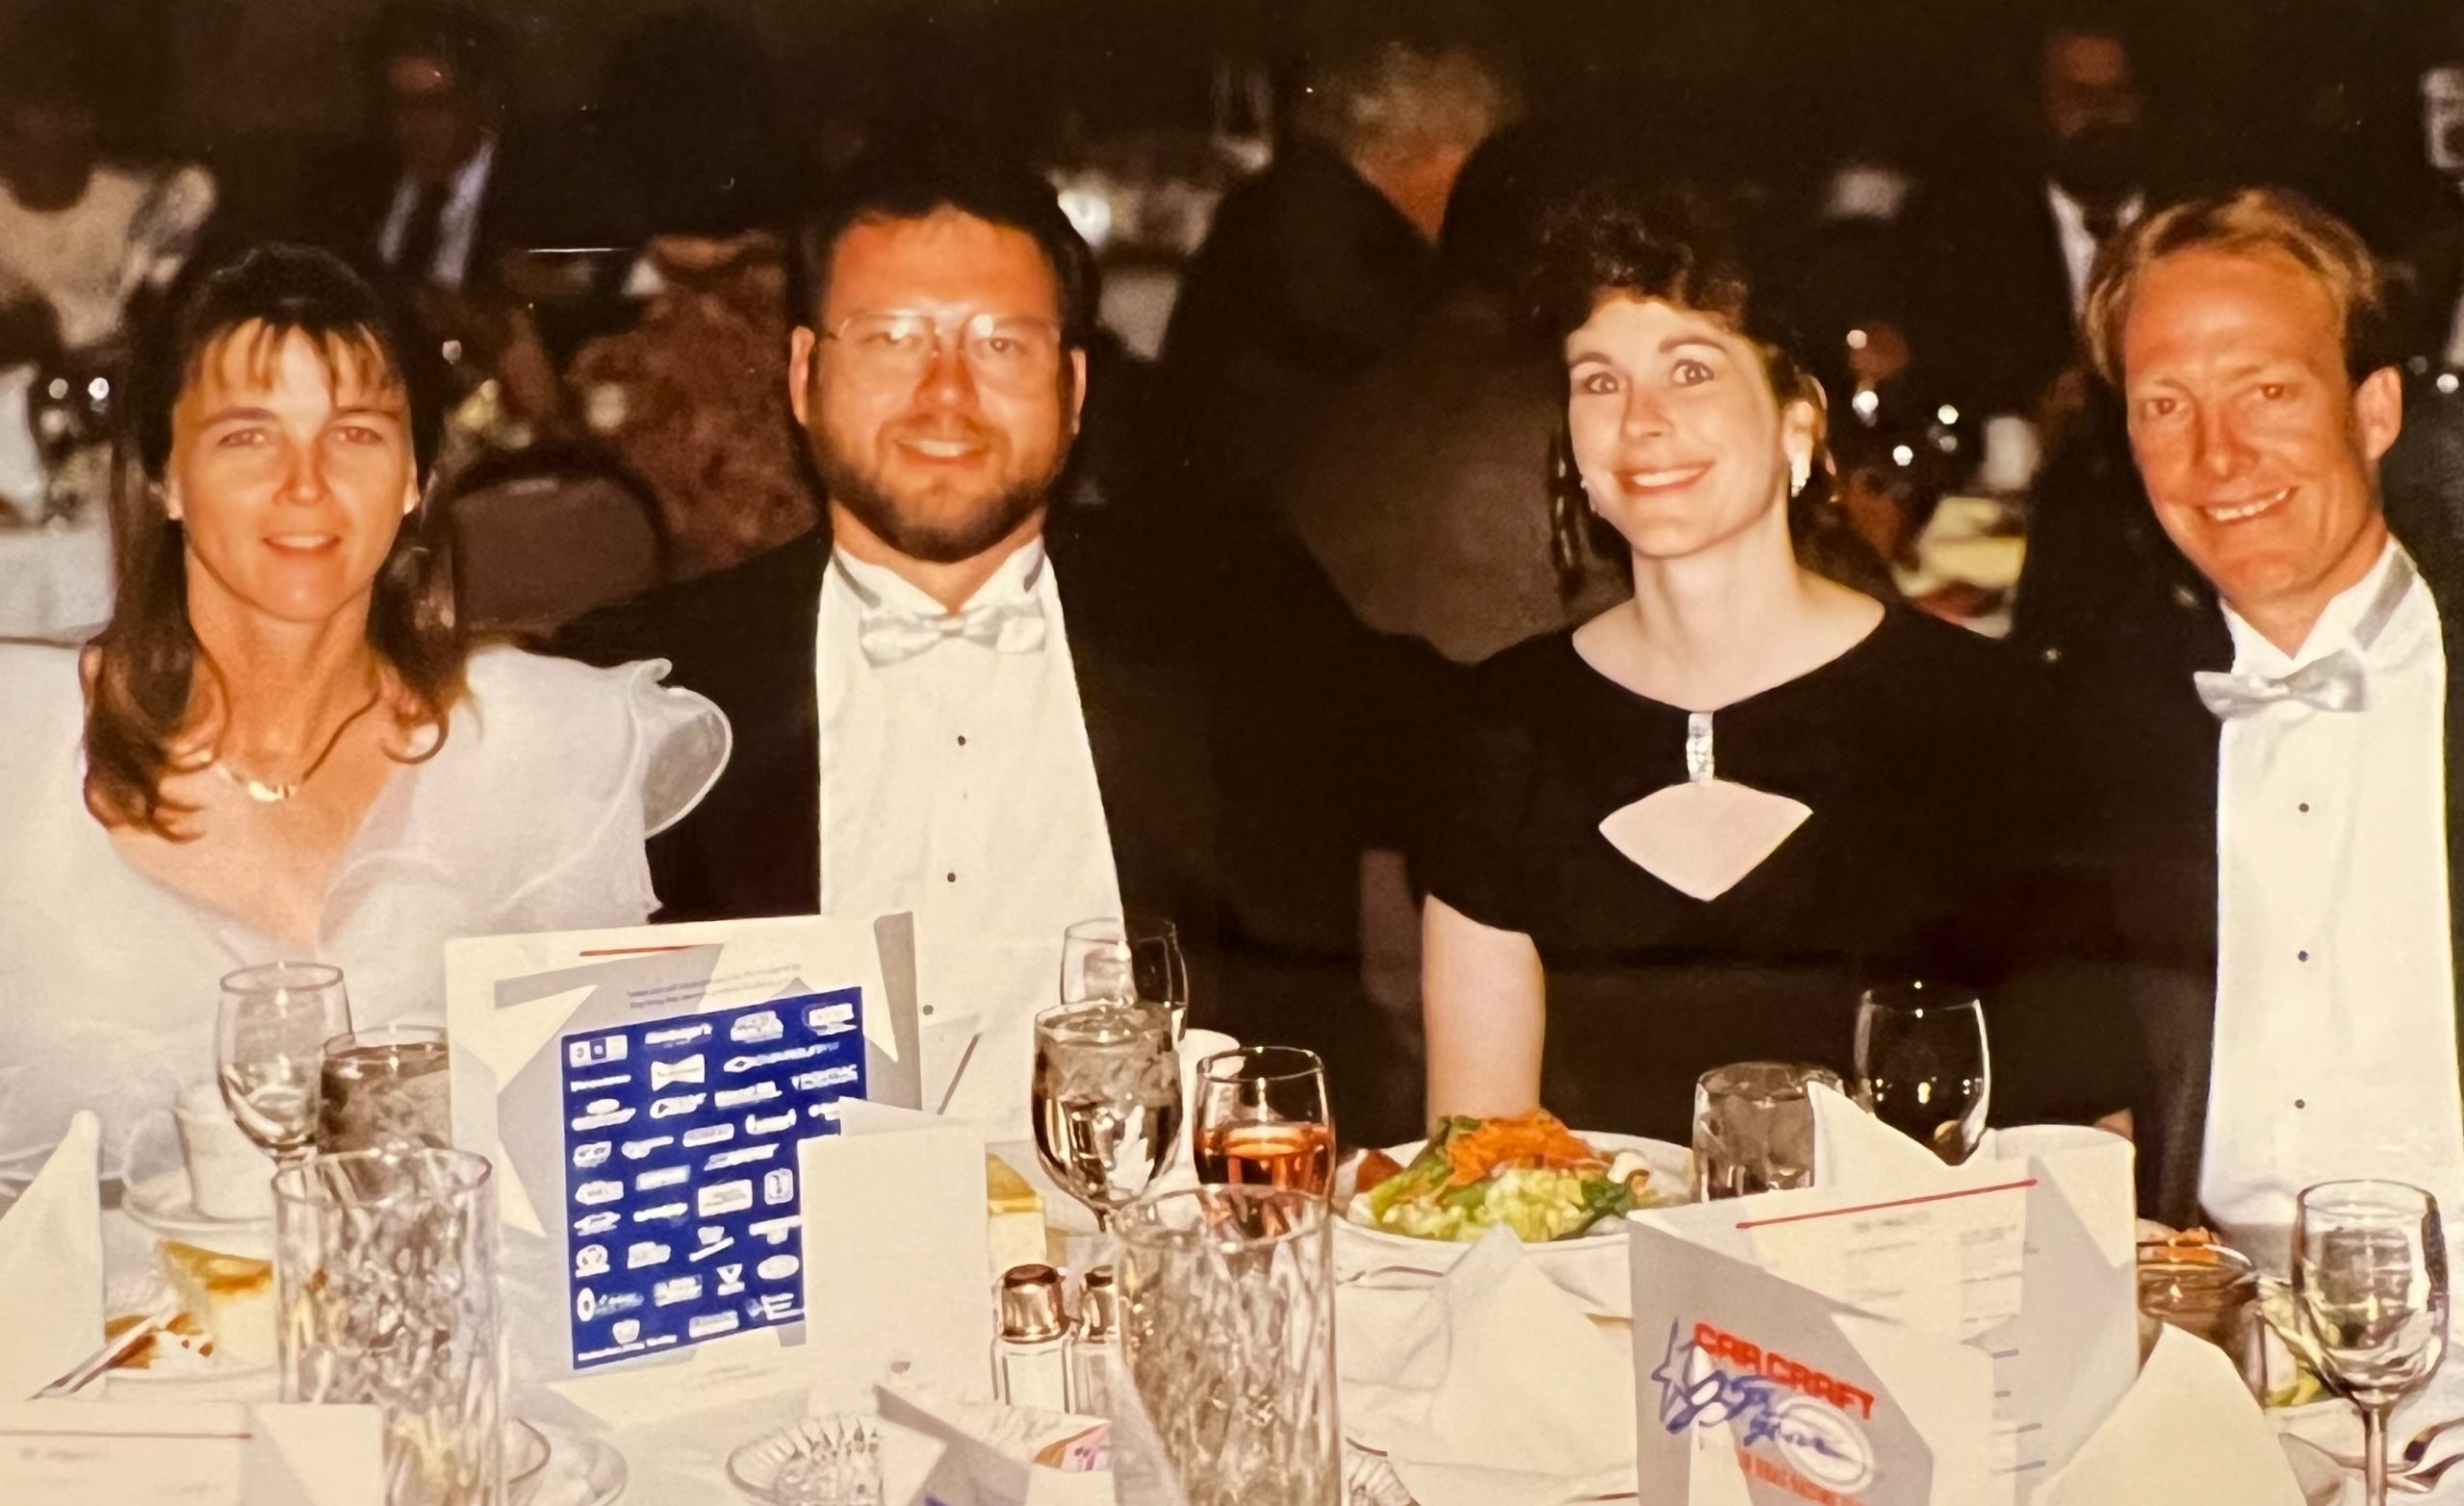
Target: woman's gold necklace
(269, 792)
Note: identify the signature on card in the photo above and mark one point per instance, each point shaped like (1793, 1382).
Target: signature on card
(1810, 1419)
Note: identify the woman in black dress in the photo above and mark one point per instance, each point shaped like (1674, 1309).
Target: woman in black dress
(1690, 830)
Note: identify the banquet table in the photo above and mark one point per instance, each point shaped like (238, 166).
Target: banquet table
(682, 1457)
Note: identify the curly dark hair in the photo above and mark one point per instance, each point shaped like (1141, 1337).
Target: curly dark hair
(1618, 239)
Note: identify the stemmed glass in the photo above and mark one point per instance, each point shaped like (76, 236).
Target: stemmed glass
(1107, 1101)
(1922, 1066)
(2369, 1286)
(1262, 1120)
(270, 1045)
(1125, 959)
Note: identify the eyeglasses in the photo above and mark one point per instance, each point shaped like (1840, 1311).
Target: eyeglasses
(1010, 351)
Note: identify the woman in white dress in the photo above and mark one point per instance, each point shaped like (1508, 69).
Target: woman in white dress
(283, 747)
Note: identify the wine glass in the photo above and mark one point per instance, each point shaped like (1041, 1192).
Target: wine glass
(1922, 1067)
(2369, 1286)
(1261, 1119)
(270, 1046)
(1107, 1101)
(1133, 958)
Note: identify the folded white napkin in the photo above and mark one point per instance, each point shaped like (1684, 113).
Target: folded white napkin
(1491, 1387)
(51, 1267)
(994, 1455)
(1850, 1145)
(2186, 1430)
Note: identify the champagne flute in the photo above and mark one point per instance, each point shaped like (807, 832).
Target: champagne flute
(1107, 1101)
(270, 1046)
(1262, 1120)
(2369, 1286)
(1127, 958)
(1922, 1066)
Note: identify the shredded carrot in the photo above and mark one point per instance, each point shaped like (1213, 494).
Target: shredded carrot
(1535, 1140)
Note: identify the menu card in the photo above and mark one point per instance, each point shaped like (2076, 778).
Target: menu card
(1944, 1335)
(68, 1453)
(642, 1093)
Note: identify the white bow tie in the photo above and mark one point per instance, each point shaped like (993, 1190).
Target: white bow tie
(2337, 682)
(889, 635)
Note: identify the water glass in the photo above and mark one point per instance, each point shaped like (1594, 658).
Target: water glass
(2209, 1292)
(1262, 1120)
(385, 1268)
(385, 1087)
(1227, 1314)
(2369, 1288)
(269, 1043)
(1754, 1128)
(1136, 958)
(1923, 1067)
(1107, 1101)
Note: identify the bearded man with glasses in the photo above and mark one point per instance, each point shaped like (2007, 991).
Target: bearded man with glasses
(954, 701)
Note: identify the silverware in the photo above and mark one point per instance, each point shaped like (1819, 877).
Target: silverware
(110, 1354)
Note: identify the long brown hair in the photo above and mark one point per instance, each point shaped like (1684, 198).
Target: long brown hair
(1615, 238)
(143, 668)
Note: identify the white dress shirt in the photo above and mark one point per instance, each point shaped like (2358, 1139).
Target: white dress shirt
(457, 229)
(2078, 242)
(957, 785)
(2335, 1023)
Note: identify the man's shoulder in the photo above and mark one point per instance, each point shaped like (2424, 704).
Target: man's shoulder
(750, 604)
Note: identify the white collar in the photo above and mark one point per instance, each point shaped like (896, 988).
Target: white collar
(1017, 578)
(2355, 621)
(2073, 214)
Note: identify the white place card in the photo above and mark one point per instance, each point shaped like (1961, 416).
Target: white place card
(2004, 1287)
(642, 1093)
(61, 1453)
(896, 1245)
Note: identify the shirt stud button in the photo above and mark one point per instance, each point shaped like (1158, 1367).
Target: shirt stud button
(954, 878)
(962, 743)
(2299, 957)
(2301, 1103)
(2305, 805)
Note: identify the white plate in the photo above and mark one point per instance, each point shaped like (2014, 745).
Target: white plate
(178, 1373)
(1671, 1166)
(165, 1205)
(580, 1471)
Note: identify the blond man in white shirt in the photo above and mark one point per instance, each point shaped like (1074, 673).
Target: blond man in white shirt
(2246, 337)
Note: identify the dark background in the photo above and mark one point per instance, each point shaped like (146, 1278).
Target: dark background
(2316, 92)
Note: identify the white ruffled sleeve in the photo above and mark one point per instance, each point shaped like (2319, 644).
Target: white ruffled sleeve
(653, 752)
(681, 742)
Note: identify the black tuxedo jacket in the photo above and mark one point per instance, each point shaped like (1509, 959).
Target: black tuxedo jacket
(1249, 738)
(745, 638)
(2154, 802)
(1990, 324)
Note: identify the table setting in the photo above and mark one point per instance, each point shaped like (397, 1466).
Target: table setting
(464, 1265)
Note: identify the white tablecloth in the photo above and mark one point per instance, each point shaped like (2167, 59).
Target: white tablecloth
(56, 581)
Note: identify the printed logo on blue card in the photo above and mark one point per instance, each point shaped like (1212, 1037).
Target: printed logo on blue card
(680, 1168)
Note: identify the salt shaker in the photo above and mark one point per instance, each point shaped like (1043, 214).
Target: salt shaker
(1094, 1355)
(1031, 1358)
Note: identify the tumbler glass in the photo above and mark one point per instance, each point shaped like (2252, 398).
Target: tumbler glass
(1754, 1128)
(1228, 1328)
(385, 1087)
(385, 1265)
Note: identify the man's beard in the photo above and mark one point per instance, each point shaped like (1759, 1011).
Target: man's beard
(935, 541)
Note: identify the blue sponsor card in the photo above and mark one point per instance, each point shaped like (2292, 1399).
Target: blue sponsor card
(680, 1148)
